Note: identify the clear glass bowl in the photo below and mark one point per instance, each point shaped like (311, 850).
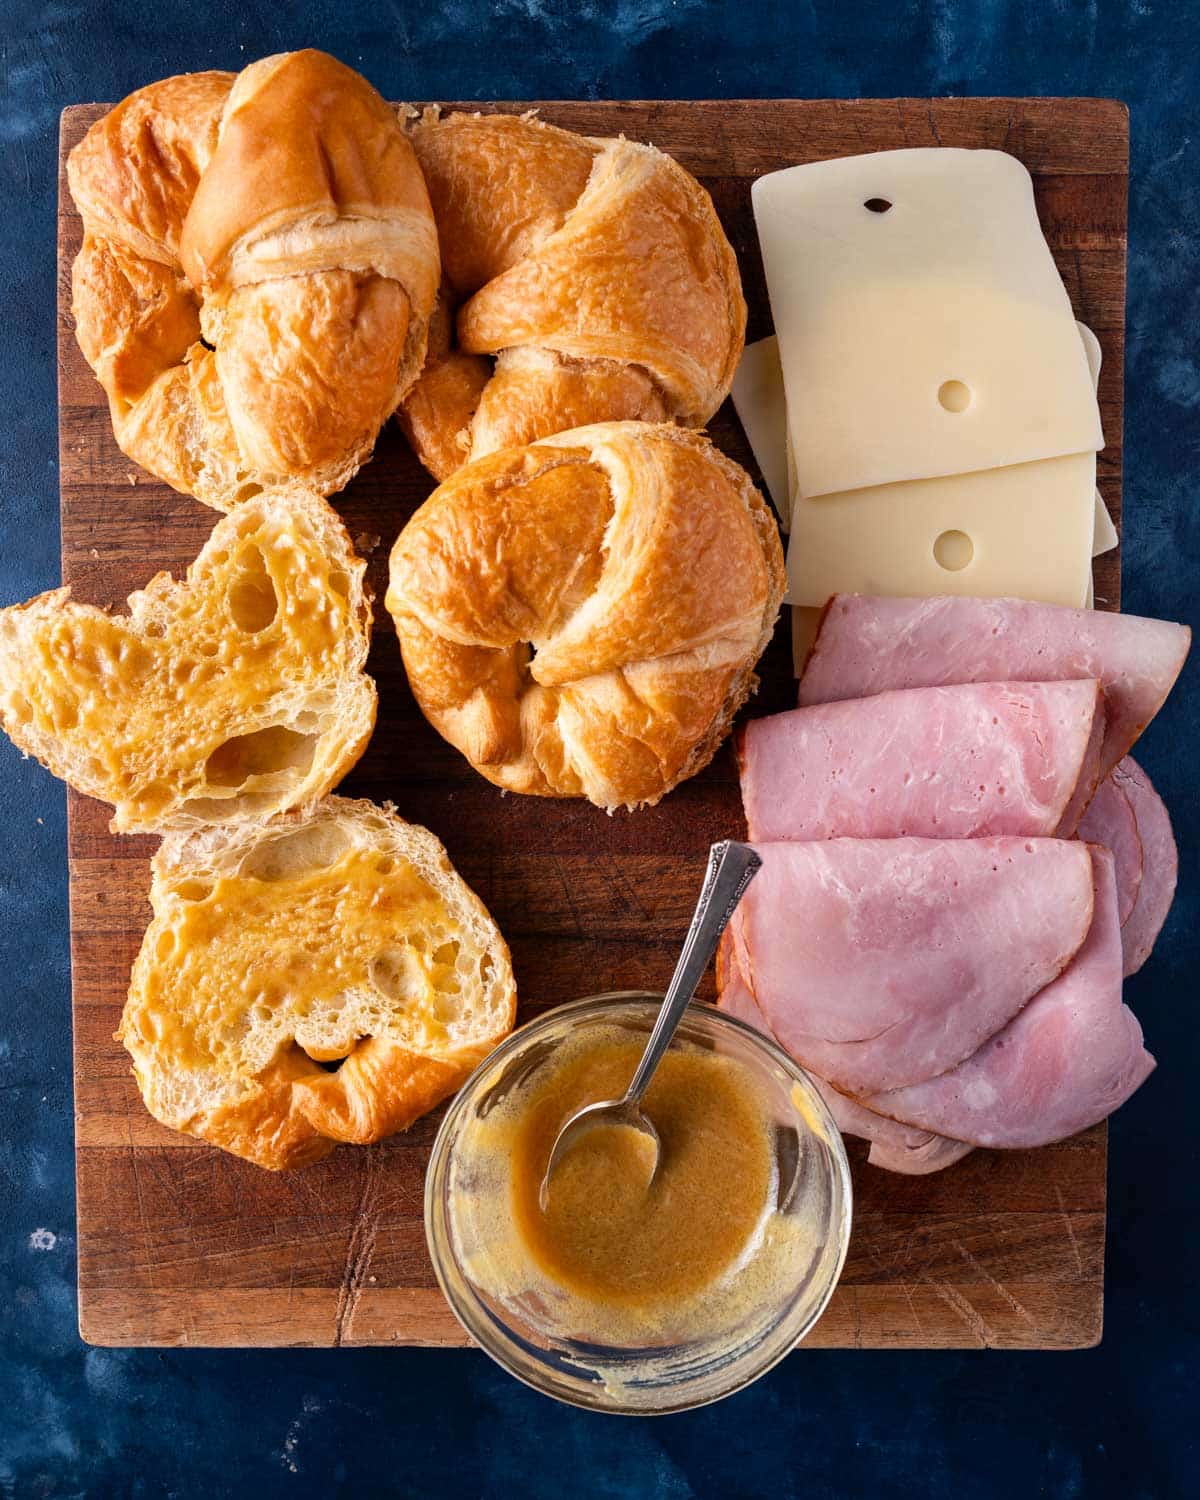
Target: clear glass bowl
(663, 1374)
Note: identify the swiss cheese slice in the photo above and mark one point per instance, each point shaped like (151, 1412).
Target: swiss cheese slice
(923, 327)
(758, 400)
(1092, 352)
(1023, 531)
(763, 414)
(806, 621)
(806, 618)
(1104, 533)
(1104, 537)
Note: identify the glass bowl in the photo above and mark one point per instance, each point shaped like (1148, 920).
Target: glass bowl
(659, 1372)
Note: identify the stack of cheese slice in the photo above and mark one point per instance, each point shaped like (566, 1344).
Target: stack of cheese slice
(936, 398)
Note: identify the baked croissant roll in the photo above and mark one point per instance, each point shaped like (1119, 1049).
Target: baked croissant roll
(258, 268)
(581, 617)
(595, 281)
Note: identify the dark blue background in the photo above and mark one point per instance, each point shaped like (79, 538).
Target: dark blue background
(1120, 1419)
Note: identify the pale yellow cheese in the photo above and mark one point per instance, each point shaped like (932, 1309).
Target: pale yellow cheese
(1034, 545)
(933, 338)
(758, 400)
(1104, 534)
(1092, 352)
(1024, 530)
(806, 620)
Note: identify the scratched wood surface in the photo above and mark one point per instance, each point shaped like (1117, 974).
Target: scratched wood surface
(179, 1243)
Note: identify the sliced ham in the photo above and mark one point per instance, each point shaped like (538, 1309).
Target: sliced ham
(935, 762)
(1109, 821)
(871, 644)
(1066, 1061)
(894, 1147)
(1160, 864)
(733, 993)
(882, 962)
(934, 1154)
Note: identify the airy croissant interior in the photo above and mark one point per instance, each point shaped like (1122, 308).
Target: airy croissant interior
(342, 935)
(228, 696)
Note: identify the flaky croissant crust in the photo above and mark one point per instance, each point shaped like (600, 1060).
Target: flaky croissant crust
(258, 268)
(582, 617)
(592, 279)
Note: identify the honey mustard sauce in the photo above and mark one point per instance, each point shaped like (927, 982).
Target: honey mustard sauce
(607, 1231)
(622, 1256)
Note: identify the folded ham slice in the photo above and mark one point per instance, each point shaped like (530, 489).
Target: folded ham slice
(1066, 1061)
(870, 644)
(1160, 864)
(1109, 821)
(1127, 817)
(935, 762)
(882, 962)
(894, 1147)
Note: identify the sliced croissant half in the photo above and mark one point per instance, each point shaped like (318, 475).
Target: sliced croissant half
(228, 696)
(340, 936)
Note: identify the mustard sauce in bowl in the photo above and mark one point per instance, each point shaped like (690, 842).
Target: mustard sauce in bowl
(607, 1233)
(624, 1293)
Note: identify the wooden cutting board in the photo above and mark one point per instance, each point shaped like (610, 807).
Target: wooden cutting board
(181, 1244)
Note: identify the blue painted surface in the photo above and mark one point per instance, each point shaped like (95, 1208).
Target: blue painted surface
(1117, 1420)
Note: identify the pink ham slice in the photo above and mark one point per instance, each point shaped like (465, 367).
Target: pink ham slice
(733, 993)
(1109, 821)
(1066, 1061)
(1160, 864)
(894, 1147)
(936, 762)
(871, 644)
(882, 962)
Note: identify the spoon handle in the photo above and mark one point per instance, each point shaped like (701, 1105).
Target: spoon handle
(731, 867)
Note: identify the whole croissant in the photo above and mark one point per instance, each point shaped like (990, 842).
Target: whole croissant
(597, 274)
(258, 269)
(582, 617)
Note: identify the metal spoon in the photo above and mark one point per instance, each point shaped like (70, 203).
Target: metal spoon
(731, 867)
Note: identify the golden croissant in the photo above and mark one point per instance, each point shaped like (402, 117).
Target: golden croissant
(595, 281)
(582, 617)
(258, 269)
(237, 692)
(344, 934)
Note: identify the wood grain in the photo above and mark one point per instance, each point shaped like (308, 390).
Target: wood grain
(180, 1244)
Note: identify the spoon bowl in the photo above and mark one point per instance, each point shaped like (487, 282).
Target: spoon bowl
(610, 1114)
